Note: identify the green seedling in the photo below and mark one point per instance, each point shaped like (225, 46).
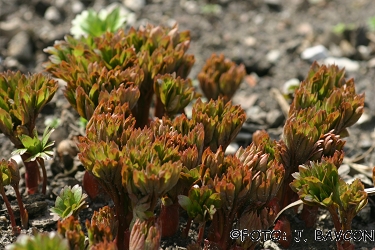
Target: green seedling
(37, 150)
(70, 201)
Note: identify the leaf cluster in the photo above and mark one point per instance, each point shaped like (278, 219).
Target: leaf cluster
(220, 77)
(34, 147)
(45, 241)
(320, 184)
(145, 235)
(200, 204)
(70, 229)
(21, 100)
(174, 93)
(69, 202)
(103, 227)
(95, 24)
(131, 59)
(222, 121)
(10, 175)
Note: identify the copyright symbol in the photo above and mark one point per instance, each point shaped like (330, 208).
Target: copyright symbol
(235, 234)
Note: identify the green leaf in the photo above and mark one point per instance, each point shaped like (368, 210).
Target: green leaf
(69, 202)
(184, 202)
(6, 125)
(46, 135)
(19, 151)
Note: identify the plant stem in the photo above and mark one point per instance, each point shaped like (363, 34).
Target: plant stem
(41, 163)
(227, 227)
(23, 211)
(335, 217)
(341, 244)
(201, 233)
(32, 174)
(143, 109)
(169, 218)
(159, 108)
(187, 228)
(15, 229)
(123, 221)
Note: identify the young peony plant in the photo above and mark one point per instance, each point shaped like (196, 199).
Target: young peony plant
(46, 241)
(324, 106)
(70, 201)
(70, 229)
(136, 56)
(10, 175)
(38, 150)
(21, 100)
(220, 77)
(319, 184)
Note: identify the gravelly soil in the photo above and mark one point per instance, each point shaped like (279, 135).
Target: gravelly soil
(268, 36)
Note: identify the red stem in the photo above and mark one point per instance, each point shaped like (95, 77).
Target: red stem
(16, 229)
(143, 109)
(335, 217)
(32, 174)
(41, 163)
(159, 108)
(23, 212)
(187, 228)
(123, 221)
(169, 219)
(341, 244)
(227, 227)
(201, 233)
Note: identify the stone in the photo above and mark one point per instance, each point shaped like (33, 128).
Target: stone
(343, 62)
(305, 29)
(269, 244)
(249, 41)
(365, 118)
(364, 51)
(134, 5)
(19, 46)
(371, 63)
(256, 115)
(11, 27)
(365, 143)
(274, 118)
(347, 48)
(232, 148)
(273, 56)
(52, 14)
(315, 53)
(77, 7)
(61, 3)
(344, 169)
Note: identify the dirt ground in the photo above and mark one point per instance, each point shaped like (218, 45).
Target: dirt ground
(276, 40)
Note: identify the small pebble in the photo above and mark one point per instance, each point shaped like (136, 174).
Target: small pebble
(231, 149)
(52, 14)
(20, 47)
(314, 53)
(269, 244)
(343, 62)
(273, 56)
(274, 118)
(135, 5)
(344, 169)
